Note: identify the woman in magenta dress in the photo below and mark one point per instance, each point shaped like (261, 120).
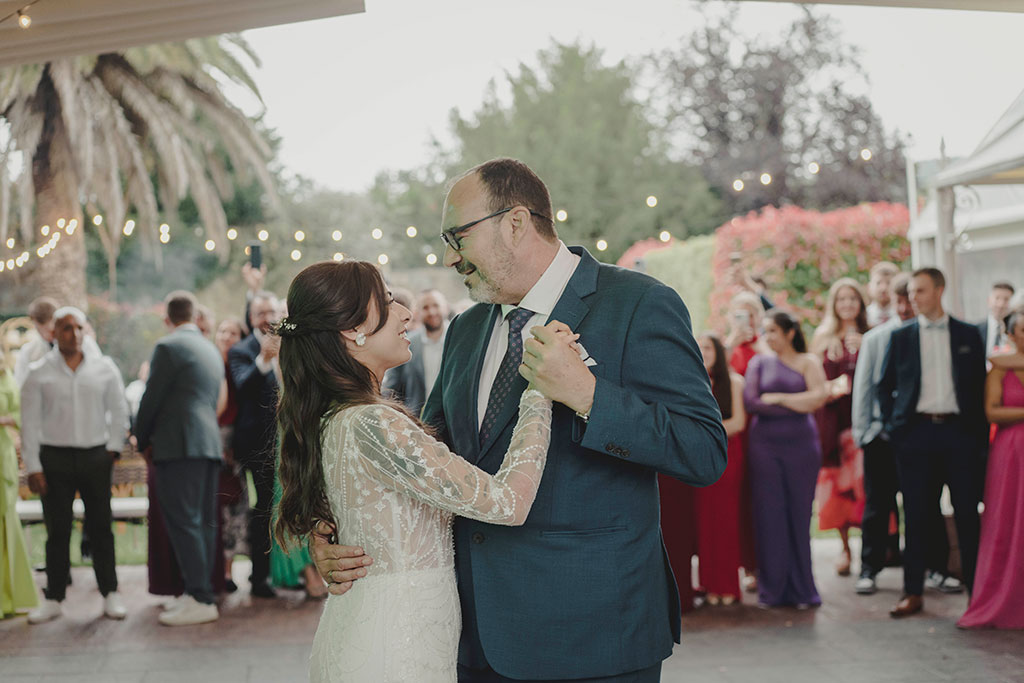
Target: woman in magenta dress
(783, 389)
(718, 506)
(840, 490)
(998, 600)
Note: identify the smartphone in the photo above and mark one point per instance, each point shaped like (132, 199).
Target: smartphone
(255, 255)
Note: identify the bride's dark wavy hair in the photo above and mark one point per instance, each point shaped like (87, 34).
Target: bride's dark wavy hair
(319, 378)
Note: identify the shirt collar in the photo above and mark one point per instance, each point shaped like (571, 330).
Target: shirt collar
(190, 327)
(545, 293)
(925, 323)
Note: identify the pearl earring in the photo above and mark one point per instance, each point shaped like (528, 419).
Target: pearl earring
(360, 339)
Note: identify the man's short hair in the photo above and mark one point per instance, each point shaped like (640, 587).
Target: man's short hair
(509, 183)
(42, 309)
(181, 307)
(938, 279)
(901, 285)
(748, 299)
(203, 311)
(65, 311)
(884, 268)
(1005, 285)
(264, 295)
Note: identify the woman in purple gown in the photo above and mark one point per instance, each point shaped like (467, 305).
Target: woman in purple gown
(783, 389)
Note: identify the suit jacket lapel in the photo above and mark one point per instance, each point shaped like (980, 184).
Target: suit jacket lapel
(571, 310)
(915, 353)
(955, 341)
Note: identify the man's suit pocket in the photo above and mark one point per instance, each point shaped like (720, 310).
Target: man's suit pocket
(579, 533)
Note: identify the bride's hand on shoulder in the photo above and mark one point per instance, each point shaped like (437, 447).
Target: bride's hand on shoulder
(339, 565)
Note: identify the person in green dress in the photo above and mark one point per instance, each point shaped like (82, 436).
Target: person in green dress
(17, 589)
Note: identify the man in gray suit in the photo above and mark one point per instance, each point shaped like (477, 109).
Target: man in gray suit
(177, 430)
(411, 383)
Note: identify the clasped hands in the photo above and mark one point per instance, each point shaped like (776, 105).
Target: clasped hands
(551, 364)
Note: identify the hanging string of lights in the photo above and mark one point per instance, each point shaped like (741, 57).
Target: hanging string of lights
(16, 260)
(24, 19)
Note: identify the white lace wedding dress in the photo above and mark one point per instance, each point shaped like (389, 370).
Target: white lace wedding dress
(394, 491)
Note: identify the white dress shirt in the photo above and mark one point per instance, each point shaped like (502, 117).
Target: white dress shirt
(938, 393)
(541, 299)
(432, 351)
(993, 338)
(878, 315)
(81, 408)
(29, 354)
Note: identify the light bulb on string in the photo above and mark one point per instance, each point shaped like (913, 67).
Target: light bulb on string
(299, 235)
(263, 235)
(431, 259)
(296, 254)
(210, 245)
(10, 243)
(377, 233)
(336, 235)
(382, 259)
(410, 231)
(24, 20)
(602, 245)
(338, 256)
(232, 234)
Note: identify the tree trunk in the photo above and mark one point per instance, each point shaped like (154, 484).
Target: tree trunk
(61, 274)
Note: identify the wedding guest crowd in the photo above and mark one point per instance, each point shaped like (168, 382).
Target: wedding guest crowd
(890, 401)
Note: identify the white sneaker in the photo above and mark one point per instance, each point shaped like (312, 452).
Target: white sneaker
(48, 610)
(171, 603)
(189, 611)
(113, 606)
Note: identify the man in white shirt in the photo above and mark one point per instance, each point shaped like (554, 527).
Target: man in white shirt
(992, 329)
(411, 383)
(41, 313)
(931, 399)
(882, 308)
(74, 422)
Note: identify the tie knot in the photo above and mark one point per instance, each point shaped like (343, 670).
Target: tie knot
(517, 319)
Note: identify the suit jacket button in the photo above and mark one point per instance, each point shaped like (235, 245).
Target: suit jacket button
(624, 452)
(610, 447)
(478, 537)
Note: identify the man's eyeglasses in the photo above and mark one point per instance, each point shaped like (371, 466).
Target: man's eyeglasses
(451, 235)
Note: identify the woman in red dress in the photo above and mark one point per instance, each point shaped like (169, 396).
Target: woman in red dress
(840, 490)
(719, 531)
(745, 315)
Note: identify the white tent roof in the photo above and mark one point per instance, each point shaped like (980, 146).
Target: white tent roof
(984, 5)
(999, 159)
(65, 28)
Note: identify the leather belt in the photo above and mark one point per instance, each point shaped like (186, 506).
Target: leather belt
(938, 418)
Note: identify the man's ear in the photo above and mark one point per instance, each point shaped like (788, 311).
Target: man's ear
(519, 218)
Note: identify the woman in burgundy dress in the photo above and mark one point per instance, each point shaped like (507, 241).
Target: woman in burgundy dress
(783, 389)
(840, 490)
(718, 506)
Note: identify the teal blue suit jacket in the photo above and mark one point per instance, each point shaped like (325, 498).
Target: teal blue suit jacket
(584, 588)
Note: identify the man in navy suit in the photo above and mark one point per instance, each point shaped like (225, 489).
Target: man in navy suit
(931, 399)
(582, 591)
(253, 365)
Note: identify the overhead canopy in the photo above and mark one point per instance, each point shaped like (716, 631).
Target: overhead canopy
(999, 159)
(65, 28)
(985, 5)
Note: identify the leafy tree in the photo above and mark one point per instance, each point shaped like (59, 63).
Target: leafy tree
(580, 125)
(125, 135)
(751, 106)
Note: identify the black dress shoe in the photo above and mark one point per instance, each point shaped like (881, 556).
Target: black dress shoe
(263, 590)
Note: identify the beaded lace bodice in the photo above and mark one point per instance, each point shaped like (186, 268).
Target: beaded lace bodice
(394, 489)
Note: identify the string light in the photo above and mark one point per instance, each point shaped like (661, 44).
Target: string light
(410, 231)
(562, 215)
(665, 236)
(602, 245)
(766, 178)
(336, 235)
(10, 243)
(97, 220)
(232, 234)
(377, 233)
(431, 259)
(382, 259)
(652, 201)
(61, 223)
(813, 167)
(299, 235)
(42, 250)
(164, 238)
(24, 20)
(296, 254)
(210, 245)
(865, 154)
(737, 185)
(338, 256)
(263, 235)
(45, 230)
(129, 228)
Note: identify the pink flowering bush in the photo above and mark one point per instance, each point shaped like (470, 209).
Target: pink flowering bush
(800, 253)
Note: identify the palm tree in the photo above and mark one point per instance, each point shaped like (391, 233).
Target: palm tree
(123, 135)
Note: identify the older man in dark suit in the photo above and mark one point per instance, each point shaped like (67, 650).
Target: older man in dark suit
(177, 425)
(931, 398)
(253, 366)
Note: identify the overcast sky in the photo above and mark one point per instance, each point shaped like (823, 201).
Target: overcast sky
(358, 94)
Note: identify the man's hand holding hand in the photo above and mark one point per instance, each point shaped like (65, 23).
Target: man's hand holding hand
(552, 365)
(37, 483)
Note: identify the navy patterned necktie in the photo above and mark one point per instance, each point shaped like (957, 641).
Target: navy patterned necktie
(507, 371)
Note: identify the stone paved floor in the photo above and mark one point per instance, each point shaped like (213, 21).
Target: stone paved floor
(850, 638)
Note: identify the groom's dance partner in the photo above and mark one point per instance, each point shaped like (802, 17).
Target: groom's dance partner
(583, 590)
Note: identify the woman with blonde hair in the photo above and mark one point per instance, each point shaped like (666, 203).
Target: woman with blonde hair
(840, 490)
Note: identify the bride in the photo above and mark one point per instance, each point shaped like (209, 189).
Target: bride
(376, 475)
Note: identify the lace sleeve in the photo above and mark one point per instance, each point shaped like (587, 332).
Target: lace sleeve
(402, 456)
